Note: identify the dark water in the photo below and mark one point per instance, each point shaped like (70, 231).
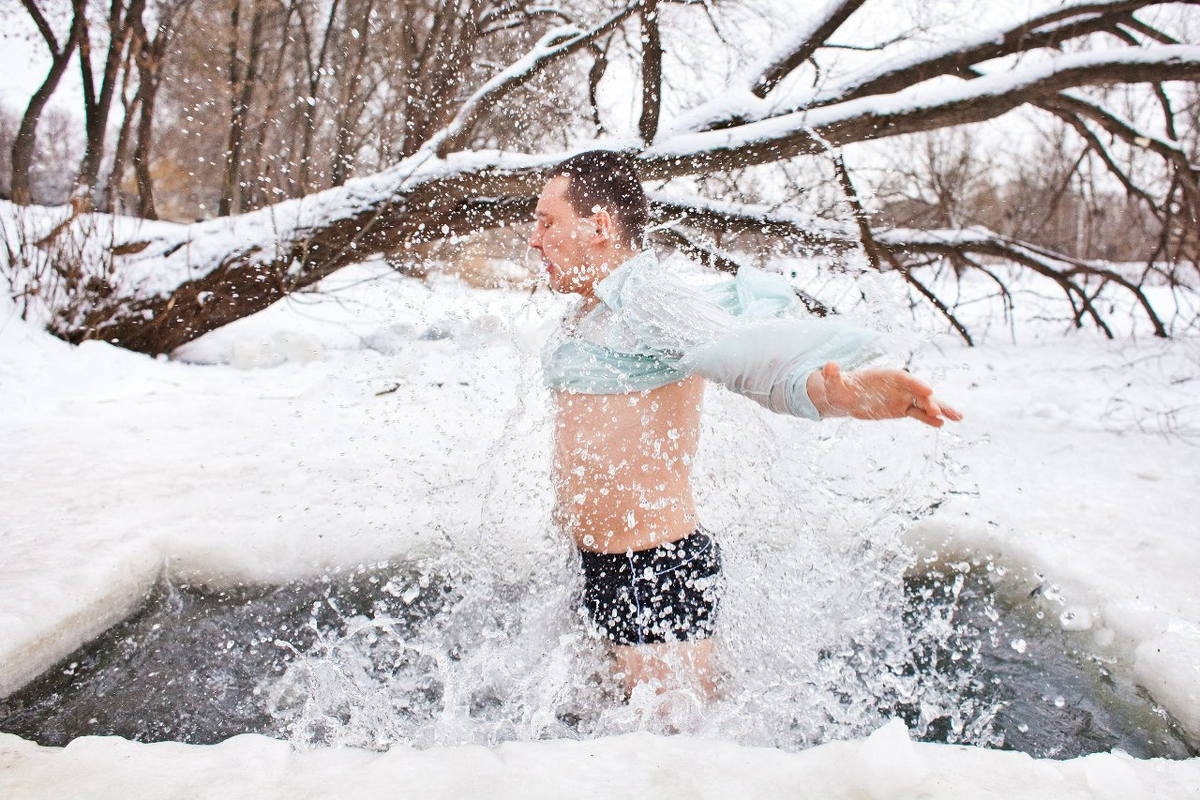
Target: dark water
(191, 665)
(1055, 696)
(199, 667)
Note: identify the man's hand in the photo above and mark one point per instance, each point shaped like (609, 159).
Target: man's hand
(876, 394)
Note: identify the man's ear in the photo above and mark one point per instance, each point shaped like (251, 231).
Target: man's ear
(604, 225)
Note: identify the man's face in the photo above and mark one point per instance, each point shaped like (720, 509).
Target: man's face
(564, 239)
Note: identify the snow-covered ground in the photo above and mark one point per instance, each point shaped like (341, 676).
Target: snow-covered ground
(392, 416)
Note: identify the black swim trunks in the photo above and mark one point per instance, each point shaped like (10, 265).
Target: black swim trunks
(665, 594)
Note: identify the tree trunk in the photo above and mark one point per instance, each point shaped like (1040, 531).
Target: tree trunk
(26, 139)
(151, 55)
(315, 71)
(259, 194)
(350, 105)
(129, 106)
(141, 155)
(98, 105)
(651, 72)
(242, 90)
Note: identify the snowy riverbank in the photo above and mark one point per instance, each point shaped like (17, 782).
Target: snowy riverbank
(382, 421)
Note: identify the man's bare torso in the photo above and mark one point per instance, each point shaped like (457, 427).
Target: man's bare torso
(623, 466)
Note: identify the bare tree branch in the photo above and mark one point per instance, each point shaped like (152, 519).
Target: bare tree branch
(21, 158)
(1149, 31)
(901, 247)
(39, 20)
(1171, 153)
(860, 214)
(1049, 30)
(1097, 147)
(937, 302)
(806, 42)
(554, 47)
(1066, 272)
(805, 133)
(729, 263)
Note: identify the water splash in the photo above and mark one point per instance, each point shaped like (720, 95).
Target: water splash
(813, 642)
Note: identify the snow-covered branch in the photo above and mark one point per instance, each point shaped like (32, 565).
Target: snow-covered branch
(555, 46)
(736, 218)
(804, 42)
(953, 58)
(913, 111)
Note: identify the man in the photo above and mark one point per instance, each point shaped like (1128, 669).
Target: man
(628, 368)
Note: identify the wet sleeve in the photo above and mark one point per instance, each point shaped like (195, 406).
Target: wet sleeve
(763, 356)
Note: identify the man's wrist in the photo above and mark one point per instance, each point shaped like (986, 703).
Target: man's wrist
(814, 385)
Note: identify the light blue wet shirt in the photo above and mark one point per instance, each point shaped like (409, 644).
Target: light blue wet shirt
(652, 328)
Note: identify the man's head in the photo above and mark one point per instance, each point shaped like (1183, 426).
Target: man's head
(591, 216)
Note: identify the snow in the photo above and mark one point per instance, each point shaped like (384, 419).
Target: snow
(885, 765)
(347, 427)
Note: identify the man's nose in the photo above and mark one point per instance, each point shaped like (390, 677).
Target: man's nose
(535, 239)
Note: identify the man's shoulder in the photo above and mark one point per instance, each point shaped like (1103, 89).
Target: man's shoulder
(644, 263)
(633, 273)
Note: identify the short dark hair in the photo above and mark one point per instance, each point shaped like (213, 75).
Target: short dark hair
(608, 179)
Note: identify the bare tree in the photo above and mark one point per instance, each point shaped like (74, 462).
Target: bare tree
(1053, 63)
(97, 100)
(352, 96)
(242, 82)
(60, 57)
(150, 56)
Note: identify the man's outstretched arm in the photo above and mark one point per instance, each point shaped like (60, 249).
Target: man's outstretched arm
(876, 394)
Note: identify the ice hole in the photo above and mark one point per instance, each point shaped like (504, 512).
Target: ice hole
(422, 654)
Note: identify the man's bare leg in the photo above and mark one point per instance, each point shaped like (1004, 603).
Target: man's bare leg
(675, 665)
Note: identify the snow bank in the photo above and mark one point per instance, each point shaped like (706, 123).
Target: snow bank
(885, 765)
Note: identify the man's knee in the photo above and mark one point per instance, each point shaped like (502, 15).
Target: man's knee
(665, 667)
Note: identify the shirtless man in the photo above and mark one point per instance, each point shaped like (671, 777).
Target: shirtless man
(628, 369)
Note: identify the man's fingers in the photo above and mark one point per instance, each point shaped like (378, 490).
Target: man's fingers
(936, 408)
(931, 412)
(921, 415)
(875, 394)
